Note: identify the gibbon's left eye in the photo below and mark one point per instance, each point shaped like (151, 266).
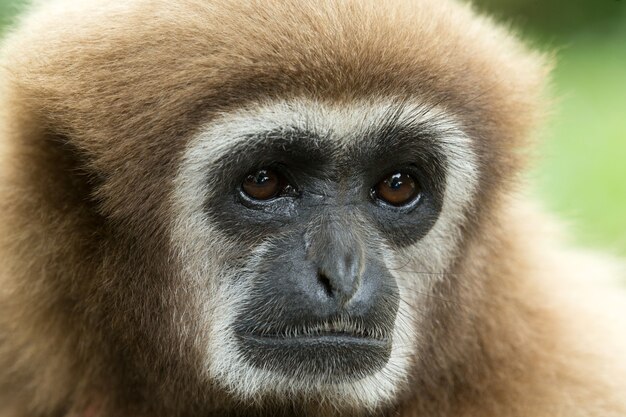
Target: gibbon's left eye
(264, 184)
(397, 189)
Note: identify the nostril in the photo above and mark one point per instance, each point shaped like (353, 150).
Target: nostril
(325, 282)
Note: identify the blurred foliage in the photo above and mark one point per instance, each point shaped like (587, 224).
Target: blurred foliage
(558, 17)
(8, 9)
(581, 174)
(582, 171)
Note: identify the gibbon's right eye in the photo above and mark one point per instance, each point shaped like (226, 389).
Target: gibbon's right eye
(263, 184)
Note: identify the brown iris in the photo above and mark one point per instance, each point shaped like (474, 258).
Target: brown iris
(263, 184)
(397, 189)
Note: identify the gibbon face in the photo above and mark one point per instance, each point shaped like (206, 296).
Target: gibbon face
(241, 201)
(316, 230)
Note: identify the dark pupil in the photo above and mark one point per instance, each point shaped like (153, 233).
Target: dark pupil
(261, 177)
(395, 181)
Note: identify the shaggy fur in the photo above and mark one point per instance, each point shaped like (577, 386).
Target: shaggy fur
(98, 102)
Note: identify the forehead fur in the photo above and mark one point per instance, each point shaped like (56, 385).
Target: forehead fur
(131, 81)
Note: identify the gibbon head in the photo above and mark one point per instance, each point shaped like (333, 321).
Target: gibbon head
(315, 229)
(272, 196)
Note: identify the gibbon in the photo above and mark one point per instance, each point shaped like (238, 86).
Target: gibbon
(287, 208)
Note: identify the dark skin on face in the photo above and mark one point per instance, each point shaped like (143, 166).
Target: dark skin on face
(324, 303)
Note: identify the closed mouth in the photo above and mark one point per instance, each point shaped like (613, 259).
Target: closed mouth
(334, 338)
(335, 330)
(329, 351)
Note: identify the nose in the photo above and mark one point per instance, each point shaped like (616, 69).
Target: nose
(339, 274)
(335, 253)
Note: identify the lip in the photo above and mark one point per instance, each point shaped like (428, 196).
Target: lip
(319, 338)
(327, 356)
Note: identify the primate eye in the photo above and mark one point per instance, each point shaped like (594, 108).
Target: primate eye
(397, 189)
(263, 184)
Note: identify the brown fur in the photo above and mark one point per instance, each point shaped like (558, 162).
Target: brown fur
(98, 101)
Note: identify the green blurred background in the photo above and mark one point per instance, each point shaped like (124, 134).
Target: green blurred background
(581, 175)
